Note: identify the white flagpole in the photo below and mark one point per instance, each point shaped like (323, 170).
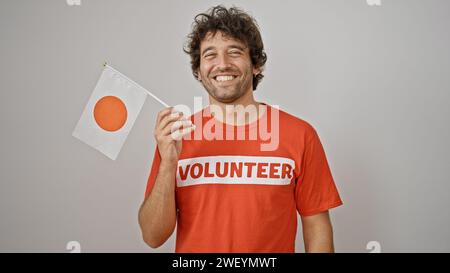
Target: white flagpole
(148, 92)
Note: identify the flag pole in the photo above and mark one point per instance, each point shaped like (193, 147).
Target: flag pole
(105, 64)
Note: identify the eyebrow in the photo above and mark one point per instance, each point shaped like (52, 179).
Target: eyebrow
(230, 47)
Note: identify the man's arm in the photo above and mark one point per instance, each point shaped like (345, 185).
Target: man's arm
(318, 233)
(157, 215)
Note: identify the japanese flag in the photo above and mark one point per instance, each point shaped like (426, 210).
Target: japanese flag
(110, 112)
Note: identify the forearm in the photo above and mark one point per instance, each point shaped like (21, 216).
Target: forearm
(157, 215)
(318, 233)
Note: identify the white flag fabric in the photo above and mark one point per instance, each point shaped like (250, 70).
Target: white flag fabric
(110, 112)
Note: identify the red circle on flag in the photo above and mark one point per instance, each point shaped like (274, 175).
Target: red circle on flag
(110, 113)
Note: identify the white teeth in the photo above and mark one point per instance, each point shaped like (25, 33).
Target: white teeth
(224, 78)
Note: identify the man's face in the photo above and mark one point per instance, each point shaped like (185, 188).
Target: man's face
(226, 70)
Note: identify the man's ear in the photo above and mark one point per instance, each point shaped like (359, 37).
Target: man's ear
(256, 71)
(199, 77)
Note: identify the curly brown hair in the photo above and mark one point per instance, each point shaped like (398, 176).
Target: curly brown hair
(234, 23)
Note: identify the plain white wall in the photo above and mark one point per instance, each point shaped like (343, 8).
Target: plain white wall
(373, 81)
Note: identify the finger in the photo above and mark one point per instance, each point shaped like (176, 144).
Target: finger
(175, 125)
(169, 119)
(164, 112)
(178, 134)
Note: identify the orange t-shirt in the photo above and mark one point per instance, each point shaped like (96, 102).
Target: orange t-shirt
(234, 196)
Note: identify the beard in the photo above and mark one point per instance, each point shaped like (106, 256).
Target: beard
(228, 92)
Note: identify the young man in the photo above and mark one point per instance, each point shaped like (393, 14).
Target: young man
(231, 194)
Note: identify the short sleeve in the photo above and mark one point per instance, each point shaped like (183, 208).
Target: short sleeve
(153, 173)
(315, 190)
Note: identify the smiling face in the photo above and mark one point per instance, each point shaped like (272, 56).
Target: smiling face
(226, 70)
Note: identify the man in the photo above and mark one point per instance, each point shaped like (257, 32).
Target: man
(228, 194)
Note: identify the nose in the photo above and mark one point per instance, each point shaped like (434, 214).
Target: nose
(223, 62)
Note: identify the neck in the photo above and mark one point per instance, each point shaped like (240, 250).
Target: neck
(237, 117)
